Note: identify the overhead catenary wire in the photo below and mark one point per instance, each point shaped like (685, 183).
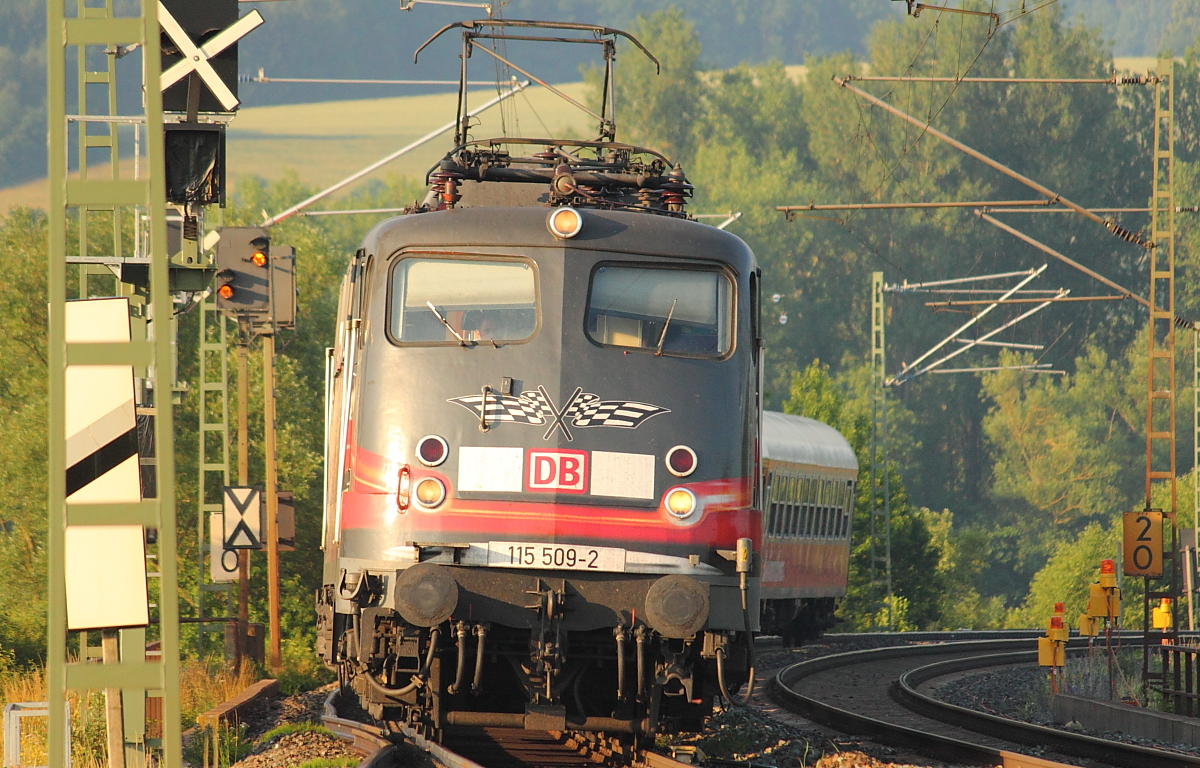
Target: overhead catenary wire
(977, 302)
(995, 164)
(272, 220)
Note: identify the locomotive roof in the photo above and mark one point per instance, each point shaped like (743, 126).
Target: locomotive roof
(800, 440)
(603, 230)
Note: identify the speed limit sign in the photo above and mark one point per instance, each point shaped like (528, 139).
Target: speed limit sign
(1143, 548)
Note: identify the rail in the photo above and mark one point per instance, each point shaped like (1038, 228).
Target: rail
(903, 691)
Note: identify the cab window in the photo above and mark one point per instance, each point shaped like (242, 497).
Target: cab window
(677, 312)
(440, 300)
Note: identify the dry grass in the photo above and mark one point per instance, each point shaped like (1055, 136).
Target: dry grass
(202, 686)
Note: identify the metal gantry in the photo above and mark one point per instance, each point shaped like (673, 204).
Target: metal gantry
(881, 497)
(213, 465)
(84, 34)
(1160, 368)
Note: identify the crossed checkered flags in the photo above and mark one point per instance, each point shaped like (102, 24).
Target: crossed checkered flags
(583, 409)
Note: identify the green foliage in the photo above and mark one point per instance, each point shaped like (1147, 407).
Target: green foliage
(965, 556)
(330, 762)
(23, 452)
(1066, 576)
(916, 579)
(290, 728)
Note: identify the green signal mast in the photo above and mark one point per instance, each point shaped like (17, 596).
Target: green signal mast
(881, 593)
(85, 43)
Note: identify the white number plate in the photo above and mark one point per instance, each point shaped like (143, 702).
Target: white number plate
(561, 557)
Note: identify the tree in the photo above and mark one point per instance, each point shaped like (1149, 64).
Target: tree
(915, 576)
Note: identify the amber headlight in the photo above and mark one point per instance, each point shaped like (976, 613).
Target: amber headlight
(564, 223)
(431, 492)
(681, 502)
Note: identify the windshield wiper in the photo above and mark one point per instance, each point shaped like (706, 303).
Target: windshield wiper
(666, 324)
(445, 322)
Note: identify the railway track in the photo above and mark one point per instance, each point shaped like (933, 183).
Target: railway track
(879, 693)
(469, 747)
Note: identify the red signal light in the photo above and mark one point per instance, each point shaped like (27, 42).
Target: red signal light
(1108, 566)
(258, 259)
(225, 291)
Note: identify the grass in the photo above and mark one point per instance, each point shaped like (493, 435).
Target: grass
(202, 686)
(289, 728)
(331, 762)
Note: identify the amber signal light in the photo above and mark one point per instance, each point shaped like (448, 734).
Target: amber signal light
(225, 291)
(258, 259)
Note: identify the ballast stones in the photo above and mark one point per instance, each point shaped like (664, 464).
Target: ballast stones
(426, 594)
(677, 606)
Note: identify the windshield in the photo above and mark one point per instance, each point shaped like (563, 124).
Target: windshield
(682, 312)
(456, 301)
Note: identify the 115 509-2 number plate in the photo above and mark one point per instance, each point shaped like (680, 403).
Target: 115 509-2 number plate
(569, 557)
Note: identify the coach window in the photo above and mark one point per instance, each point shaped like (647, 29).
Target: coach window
(676, 312)
(462, 301)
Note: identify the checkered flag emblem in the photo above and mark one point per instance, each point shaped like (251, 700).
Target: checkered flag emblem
(588, 410)
(582, 409)
(527, 408)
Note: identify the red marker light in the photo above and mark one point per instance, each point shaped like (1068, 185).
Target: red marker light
(1058, 608)
(681, 461)
(1108, 566)
(1056, 622)
(432, 450)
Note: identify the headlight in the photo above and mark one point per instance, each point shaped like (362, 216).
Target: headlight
(564, 223)
(681, 502)
(431, 492)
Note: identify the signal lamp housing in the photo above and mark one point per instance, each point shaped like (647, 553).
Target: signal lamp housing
(564, 223)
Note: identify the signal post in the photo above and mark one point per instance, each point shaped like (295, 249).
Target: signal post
(258, 288)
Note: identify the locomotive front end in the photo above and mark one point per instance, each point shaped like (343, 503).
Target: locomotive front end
(542, 474)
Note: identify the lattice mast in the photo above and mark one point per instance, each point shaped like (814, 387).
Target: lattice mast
(84, 41)
(1160, 378)
(881, 594)
(213, 455)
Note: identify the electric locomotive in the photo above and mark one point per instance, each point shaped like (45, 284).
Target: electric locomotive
(543, 446)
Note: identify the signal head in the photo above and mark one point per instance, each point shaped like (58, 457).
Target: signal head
(262, 250)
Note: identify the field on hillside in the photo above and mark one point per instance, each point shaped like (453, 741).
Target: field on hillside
(327, 141)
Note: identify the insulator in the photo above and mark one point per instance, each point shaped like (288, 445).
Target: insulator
(445, 182)
(676, 190)
(549, 156)
(563, 182)
(1125, 234)
(191, 228)
(1187, 325)
(646, 197)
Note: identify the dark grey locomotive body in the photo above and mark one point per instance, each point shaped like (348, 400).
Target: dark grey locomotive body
(542, 466)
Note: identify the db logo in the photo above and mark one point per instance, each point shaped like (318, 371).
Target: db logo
(564, 471)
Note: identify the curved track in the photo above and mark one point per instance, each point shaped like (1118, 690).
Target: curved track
(467, 747)
(876, 693)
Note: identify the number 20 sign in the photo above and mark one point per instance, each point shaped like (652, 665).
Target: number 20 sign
(1143, 550)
